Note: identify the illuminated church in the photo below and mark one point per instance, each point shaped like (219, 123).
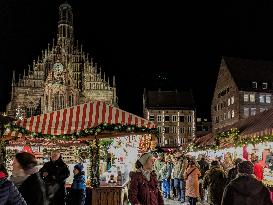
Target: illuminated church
(63, 76)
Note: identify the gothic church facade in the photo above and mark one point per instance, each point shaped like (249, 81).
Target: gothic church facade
(63, 76)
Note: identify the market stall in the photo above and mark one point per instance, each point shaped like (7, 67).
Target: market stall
(89, 131)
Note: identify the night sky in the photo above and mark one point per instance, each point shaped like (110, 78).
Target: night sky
(137, 41)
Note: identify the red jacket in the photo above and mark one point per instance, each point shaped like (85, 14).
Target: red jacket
(144, 192)
(258, 171)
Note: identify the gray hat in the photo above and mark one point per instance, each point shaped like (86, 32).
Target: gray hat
(144, 158)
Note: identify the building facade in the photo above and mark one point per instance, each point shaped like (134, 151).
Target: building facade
(244, 87)
(203, 126)
(63, 76)
(174, 114)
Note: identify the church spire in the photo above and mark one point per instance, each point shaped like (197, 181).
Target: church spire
(65, 24)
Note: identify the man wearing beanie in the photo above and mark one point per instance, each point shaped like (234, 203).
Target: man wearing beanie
(246, 189)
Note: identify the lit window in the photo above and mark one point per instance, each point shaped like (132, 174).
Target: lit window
(262, 109)
(167, 118)
(246, 111)
(152, 118)
(262, 97)
(198, 120)
(253, 111)
(174, 118)
(159, 118)
(228, 115)
(254, 84)
(246, 97)
(173, 129)
(232, 100)
(190, 130)
(232, 114)
(166, 141)
(228, 102)
(268, 98)
(264, 86)
(252, 97)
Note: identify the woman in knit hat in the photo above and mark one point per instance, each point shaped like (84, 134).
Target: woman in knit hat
(77, 193)
(143, 187)
(9, 194)
(246, 189)
(26, 177)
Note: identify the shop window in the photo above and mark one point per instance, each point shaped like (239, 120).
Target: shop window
(264, 86)
(253, 111)
(246, 111)
(268, 98)
(252, 97)
(246, 97)
(262, 98)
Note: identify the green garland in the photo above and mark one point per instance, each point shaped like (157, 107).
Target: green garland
(87, 132)
(2, 152)
(94, 147)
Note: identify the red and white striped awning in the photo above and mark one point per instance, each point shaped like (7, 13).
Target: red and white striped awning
(81, 117)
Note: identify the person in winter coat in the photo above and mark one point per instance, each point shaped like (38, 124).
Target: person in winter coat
(54, 174)
(166, 173)
(258, 168)
(232, 173)
(215, 182)
(204, 167)
(178, 171)
(31, 185)
(9, 194)
(191, 176)
(158, 165)
(143, 186)
(246, 189)
(78, 187)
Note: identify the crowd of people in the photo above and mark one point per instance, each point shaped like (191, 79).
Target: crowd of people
(29, 186)
(185, 179)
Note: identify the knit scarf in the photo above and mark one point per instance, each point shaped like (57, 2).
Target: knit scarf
(146, 174)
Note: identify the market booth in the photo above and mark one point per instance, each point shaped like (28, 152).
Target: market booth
(106, 139)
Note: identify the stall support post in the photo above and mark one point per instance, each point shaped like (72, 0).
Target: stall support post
(94, 162)
(2, 152)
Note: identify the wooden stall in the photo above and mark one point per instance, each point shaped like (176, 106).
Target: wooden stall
(87, 124)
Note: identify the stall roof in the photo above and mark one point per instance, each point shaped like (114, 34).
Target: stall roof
(260, 124)
(80, 117)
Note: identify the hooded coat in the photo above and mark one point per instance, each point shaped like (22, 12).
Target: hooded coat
(9, 194)
(215, 182)
(144, 192)
(246, 190)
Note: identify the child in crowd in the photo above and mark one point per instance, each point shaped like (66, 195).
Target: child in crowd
(78, 187)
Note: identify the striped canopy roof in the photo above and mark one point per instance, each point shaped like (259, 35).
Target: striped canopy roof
(80, 117)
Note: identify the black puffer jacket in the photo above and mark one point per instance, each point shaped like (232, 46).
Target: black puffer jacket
(9, 194)
(246, 190)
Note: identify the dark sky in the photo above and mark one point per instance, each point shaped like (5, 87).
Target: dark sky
(136, 40)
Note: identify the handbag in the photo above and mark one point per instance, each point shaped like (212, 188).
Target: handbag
(190, 173)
